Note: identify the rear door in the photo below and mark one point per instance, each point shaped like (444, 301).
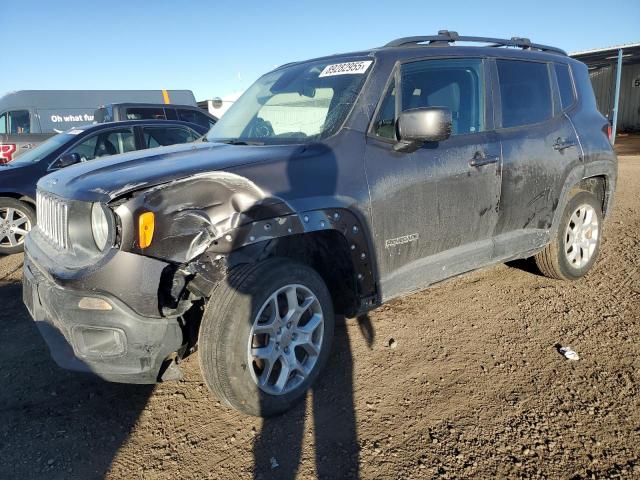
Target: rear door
(539, 147)
(434, 210)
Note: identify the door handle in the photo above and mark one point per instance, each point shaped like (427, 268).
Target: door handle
(562, 144)
(480, 158)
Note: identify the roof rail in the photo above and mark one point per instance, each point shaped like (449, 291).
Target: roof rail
(445, 38)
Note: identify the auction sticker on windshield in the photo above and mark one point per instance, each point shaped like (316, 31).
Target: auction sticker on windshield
(348, 68)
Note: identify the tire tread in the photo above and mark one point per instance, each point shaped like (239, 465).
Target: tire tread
(548, 261)
(218, 381)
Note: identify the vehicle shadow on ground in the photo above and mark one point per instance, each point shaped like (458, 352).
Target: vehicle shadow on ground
(70, 425)
(526, 265)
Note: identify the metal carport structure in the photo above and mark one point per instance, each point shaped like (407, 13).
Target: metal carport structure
(615, 76)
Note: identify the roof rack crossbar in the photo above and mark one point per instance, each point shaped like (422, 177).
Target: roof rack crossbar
(445, 37)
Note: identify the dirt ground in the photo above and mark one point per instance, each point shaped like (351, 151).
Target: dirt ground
(463, 380)
(628, 144)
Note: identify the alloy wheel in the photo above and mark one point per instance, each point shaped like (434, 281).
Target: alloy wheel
(14, 226)
(285, 339)
(581, 236)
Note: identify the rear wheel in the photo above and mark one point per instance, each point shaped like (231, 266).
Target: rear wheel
(265, 336)
(576, 245)
(16, 220)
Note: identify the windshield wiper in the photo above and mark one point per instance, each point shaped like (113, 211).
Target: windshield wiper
(240, 142)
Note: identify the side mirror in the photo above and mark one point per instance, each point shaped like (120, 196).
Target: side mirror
(68, 159)
(420, 125)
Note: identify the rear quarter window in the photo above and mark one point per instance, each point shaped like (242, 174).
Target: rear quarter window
(525, 92)
(565, 85)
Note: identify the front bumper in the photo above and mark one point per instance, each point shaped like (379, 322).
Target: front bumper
(118, 345)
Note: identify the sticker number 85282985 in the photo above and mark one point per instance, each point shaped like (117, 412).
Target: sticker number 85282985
(348, 68)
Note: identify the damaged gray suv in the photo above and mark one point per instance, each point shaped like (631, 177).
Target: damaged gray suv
(330, 187)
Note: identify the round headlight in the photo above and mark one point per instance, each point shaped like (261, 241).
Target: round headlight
(99, 225)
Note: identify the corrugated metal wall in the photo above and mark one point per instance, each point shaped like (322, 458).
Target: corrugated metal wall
(604, 81)
(629, 116)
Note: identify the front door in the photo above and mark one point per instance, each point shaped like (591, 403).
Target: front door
(434, 210)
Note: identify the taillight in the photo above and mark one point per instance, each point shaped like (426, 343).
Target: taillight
(608, 131)
(6, 152)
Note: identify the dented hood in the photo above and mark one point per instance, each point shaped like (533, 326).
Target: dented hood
(108, 178)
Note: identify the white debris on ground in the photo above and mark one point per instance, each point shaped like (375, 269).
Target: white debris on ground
(569, 354)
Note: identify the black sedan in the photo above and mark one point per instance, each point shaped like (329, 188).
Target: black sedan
(18, 178)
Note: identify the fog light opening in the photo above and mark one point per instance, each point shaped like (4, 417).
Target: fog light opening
(97, 342)
(93, 303)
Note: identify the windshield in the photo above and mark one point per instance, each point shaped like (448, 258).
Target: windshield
(42, 150)
(295, 104)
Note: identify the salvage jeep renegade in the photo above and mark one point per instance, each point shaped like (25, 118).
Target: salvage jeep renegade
(330, 187)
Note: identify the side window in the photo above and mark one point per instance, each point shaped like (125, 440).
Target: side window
(455, 84)
(122, 139)
(163, 136)
(193, 116)
(145, 113)
(385, 124)
(565, 85)
(3, 123)
(107, 143)
(19, 122)
(170, 113)
(525, 92)
(86, 149)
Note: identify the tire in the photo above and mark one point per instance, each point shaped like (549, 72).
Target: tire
(16, 219)
(563, 259)
(229, 327)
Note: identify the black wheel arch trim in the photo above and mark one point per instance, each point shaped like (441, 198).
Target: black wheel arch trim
(341, 220)
(602, 168)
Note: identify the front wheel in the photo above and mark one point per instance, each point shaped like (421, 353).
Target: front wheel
(16, 220)
(265, 335)
(575, 247)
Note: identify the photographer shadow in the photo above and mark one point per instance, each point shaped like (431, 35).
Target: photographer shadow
(56, 424)
(329, 410)
(278, 449)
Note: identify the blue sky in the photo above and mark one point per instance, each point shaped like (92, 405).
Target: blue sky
(218, 47)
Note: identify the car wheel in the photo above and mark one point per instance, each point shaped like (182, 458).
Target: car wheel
(265, 335)
(575, 247)
(16, 219)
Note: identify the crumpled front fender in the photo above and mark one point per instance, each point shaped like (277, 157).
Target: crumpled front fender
(222, 212)
(190, 214)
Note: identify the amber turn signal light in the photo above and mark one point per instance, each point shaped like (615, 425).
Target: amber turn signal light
(146, 223)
